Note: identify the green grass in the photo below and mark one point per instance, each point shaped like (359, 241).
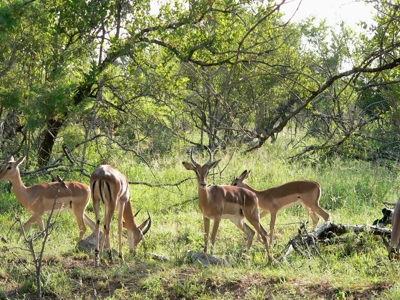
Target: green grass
(357, 265)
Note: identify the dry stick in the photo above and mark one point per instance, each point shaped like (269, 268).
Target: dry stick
(390, 203)
(180, 203)
(307, 241)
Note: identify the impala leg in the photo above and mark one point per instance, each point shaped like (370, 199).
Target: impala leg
(81, 225)
(239, 222)
(272, 227)
(263, 233)
(262, 215)
(206, 232)
(106, 237)
(33, 219)
(313, 215)
(255, 221)
(40, 223)
(96, 208)
(120, 226)
(89, 222)
(250, 235)
(318, 209)
(214, 232)
(96, 250)
(109, 212)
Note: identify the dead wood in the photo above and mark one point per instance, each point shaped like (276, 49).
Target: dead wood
(387, 216)
(306, 243)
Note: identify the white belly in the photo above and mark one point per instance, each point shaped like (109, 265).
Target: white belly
(57, 210)
(290, 204)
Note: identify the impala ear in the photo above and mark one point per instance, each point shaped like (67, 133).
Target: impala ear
(244, 175)
(20, 161)
(214, 164)
(188, 166)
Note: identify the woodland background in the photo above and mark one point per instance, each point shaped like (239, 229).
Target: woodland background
(84, 83)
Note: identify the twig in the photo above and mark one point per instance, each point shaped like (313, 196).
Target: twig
(181, 203)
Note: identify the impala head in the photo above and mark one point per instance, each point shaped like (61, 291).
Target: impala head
(143, 229)
(8, 170)
(240, 181)
(201, 171)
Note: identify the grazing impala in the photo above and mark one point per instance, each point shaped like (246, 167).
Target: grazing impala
(111, 187)
(226, 202)
(289, 194)
(40, 198)
(393, 246)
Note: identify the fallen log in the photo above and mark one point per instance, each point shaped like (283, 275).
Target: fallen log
(330, 229)
(305, 243)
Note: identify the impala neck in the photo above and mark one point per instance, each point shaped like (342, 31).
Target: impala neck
(246, 186)
(129, 216)
(20, 190)
(203, 195)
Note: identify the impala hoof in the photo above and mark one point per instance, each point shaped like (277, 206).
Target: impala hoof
(272, 261)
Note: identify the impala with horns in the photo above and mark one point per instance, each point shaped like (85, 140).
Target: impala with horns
(393, 245)
(111, 187)
(306, 193)
(226, 202)
(41, 198)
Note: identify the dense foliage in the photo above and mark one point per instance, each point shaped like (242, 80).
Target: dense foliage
(221, 73)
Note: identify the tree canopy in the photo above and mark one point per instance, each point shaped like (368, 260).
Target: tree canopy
(78, 74)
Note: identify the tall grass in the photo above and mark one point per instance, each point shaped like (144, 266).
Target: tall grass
(352, 192)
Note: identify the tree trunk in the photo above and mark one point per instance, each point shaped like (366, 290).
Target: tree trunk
(54, 126)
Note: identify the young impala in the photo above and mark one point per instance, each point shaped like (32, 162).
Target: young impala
(226, 202)
(39, 199)
(306, 193)
(111, 187)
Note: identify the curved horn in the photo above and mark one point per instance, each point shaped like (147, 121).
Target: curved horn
(137, 212)
(145, 226)
(211, 156)
(191, 157)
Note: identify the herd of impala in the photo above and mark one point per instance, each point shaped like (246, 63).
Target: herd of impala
(237, 202)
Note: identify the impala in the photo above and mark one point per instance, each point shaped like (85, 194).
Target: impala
(111, 187)
(393, 246)
(306, 193)
(40, 198)
(226, 202)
